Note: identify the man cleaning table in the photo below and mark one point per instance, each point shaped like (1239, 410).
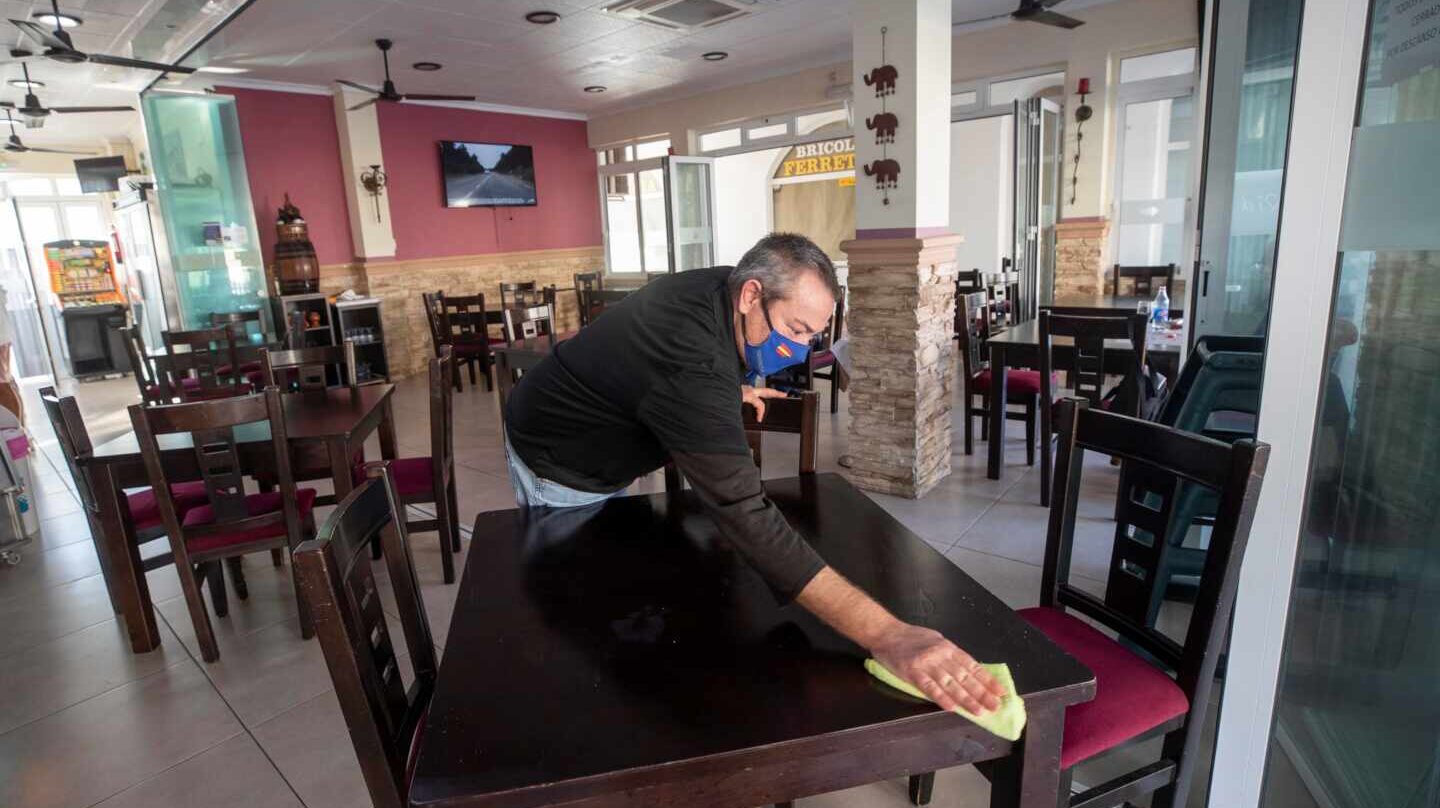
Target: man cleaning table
(661, 376)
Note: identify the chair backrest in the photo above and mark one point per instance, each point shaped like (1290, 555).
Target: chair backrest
(238, 323)
(435, 318)
(442, 417)
(211, 426)
(524, 321)
(1221, 375)
(1143, 278)
(309, 368)
(74, 440)
(509, 291)
(833, 330)
(586, 285)
(797, 415)
(1235, 472)
(972, 327)
(337, 580)
(206, 351)
(153, 389)
(1087, 364)
(464, 319)
(968, 282)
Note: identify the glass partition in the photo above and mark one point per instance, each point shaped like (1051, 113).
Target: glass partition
(205, 197)
(1357, 714)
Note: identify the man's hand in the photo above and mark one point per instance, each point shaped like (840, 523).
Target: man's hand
(920, 656)
(948, 675)
(755, 397)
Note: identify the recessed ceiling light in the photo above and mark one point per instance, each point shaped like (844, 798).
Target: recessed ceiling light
(596, 88)
(715, 56)
(223, 70)
(428, 67)
(23, 83)
(61, 21)
(542, 17)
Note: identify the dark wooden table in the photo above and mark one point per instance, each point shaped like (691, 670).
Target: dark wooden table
(522, 355)
(338, 419)
(1107, 303)
(1019, 347)
(624, 655)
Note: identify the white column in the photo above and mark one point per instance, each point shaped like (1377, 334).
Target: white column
(359, 131)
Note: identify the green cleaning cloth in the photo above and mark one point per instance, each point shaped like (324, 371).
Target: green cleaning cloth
(1006, 722)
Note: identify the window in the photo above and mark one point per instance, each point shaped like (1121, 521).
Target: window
(964, 98)
(1157, 65)
(770, 130)
(67, 186)
(30, 186)
(1153, 180)
(652, 148)
(723, 139)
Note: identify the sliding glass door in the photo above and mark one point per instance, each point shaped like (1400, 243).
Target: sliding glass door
(1357, 713)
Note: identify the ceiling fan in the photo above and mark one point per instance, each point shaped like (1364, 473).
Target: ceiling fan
(59, 47)
(387, 91)
(1034, 11)
(14, 145)
(35, 113)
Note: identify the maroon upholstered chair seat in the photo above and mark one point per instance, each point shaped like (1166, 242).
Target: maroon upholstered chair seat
(824, 359)
(413, 475)
(473, 348)
(145, 508)
(255, 505)
(1131, 695)
(1017, 382)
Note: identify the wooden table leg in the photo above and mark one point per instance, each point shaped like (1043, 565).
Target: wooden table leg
(503, 380)
(388, 450)
(127, 576)
(1030, 776)
(998, 379)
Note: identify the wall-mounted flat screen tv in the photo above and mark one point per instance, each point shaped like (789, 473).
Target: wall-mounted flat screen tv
(99, 174)
(487, 174)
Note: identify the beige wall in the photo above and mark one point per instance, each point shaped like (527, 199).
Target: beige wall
(1121, 28)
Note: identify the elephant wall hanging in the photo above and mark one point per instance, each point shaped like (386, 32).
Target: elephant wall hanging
(885, 170)
(886, 173)
(883, 125)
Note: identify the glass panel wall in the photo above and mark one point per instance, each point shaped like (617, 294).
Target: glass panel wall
(1357, 715)
(1154, 180)
(205, 196)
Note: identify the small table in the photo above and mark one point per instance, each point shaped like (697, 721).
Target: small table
(1019, 347)
(1106, 304)
(624, 654)
(338, 418)
(522, 355)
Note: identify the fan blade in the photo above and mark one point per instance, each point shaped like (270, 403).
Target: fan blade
(139, 64)
(364, 104)
(41, 34)
(358, 86)
(434, 97)
(91, 109)
(55, 151)
(990, 18)
(1052, 18)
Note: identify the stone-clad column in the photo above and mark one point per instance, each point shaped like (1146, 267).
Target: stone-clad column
(900, 323)
(900, 319)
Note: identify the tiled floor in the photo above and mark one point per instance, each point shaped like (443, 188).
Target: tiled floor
(84, 722)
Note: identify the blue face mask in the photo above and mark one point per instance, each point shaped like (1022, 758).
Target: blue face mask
(775, 354)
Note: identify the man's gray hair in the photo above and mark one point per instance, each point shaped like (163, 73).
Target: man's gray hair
(777, 261)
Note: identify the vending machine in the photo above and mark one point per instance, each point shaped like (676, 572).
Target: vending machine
(92, 308)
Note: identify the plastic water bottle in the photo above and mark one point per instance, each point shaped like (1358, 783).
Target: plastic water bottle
(1160, 311)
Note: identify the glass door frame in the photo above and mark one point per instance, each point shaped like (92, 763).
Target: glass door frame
(672, 165)
(1169, 87)
(51, 324)
(634, 169)
(1332, 43)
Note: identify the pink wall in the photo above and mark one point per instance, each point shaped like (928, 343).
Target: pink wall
(568, 209)
(291, 144)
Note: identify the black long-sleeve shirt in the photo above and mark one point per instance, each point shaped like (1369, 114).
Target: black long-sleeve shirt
(657, 378)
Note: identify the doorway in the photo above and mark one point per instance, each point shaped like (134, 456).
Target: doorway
(42, 221)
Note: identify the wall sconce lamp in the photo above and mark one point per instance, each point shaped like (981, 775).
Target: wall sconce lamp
(374, 180)
(1082, 114)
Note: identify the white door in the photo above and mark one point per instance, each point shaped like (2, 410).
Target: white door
(690, 209)
(40, 224)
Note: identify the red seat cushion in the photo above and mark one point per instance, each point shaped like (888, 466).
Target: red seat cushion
(823, 359)
(145, 508)
(413, 475)
(256, 378)
(471, 348)
(1131, 695)
(1017, 382)
(255, 505)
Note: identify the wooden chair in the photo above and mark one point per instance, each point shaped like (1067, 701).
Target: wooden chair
(154, 386)
(466, 324)
(530, 319)
(202, 371)
(1147, 685)
(431, 480)
(144, 523)
(510, 291)
(798, 415)
(1143, 279)
(820, 361)
(967, 282)
(587, 284)
(231, 523)
(302, 369)
(337, 581)
(1086, 368)
(247, 353)
(1021, 386)
(1003, 288)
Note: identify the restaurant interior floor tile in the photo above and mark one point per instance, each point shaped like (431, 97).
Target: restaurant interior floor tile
(84, 722)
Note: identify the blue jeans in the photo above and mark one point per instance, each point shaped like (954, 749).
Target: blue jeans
(532, 490)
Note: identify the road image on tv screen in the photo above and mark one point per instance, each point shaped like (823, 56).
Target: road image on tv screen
(481, 174)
